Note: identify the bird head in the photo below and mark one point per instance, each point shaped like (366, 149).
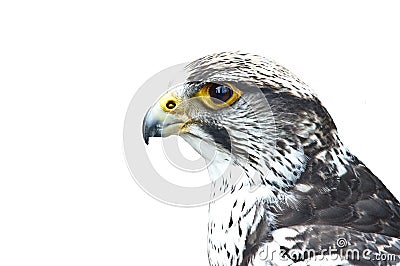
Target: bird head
(247, 109)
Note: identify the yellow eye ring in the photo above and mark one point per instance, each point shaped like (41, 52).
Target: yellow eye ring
(217, 96)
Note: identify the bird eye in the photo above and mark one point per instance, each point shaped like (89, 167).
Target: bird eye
(217, 96)
(220, 93)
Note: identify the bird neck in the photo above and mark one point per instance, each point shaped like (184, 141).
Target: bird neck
(238, 213)
(232, 218)
(249, 203)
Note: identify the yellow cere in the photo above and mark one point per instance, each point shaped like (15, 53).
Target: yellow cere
(168, 102)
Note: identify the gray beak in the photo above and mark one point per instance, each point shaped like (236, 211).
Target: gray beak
(158, 123)
(151, 127)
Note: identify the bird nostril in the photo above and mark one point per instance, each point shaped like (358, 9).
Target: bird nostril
(170, 104)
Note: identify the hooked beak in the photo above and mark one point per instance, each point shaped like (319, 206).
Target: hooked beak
(158, 123)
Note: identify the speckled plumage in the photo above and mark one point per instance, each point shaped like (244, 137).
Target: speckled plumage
(299, 177)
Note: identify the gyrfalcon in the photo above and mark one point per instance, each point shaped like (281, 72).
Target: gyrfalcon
(304, 198)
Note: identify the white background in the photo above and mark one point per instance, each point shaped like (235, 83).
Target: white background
(68, 70)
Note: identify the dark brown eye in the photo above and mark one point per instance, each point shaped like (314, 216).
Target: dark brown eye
(220, 93)
(217, 96)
